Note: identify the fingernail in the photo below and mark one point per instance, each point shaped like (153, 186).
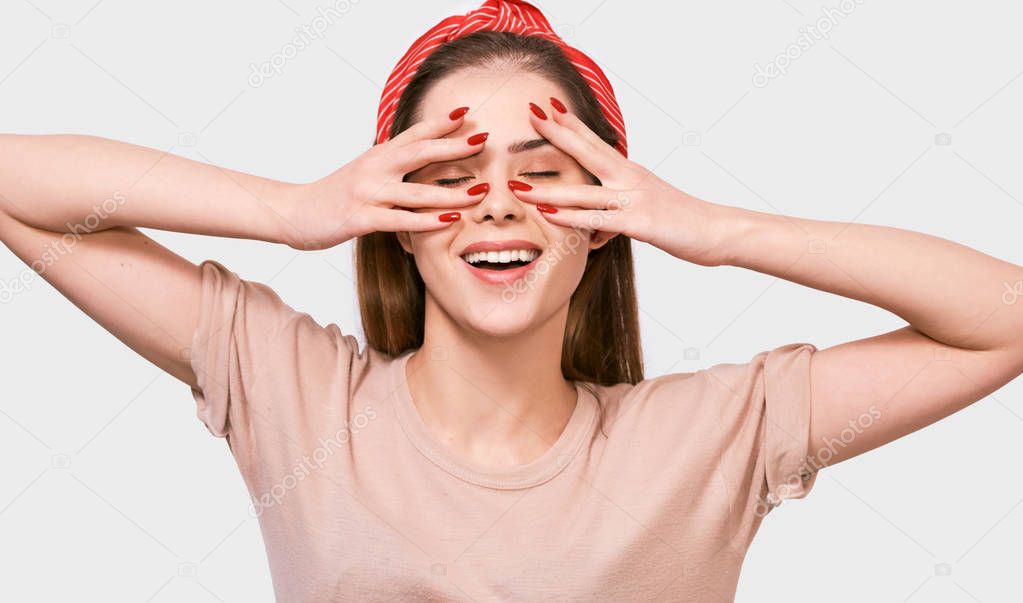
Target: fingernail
(516, 185)
(558, 105)
(478, 138)
(451, 216)
(458, 113)
(546, 208)
(537, 111)
(482, 187)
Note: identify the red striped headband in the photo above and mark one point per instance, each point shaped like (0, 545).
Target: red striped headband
(495, 15)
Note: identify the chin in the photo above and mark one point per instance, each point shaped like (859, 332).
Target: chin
(502, 319)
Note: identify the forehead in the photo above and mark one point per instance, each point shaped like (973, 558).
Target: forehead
(498, 101)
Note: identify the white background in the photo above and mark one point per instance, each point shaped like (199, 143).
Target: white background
(113, 490)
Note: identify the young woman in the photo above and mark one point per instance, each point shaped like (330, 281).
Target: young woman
(496, 438)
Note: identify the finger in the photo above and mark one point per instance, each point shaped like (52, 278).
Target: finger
(587, 196)
(414, 155)
(396, 220)
(586, 219)
(415, 196)
(588, 156)
(571, 121)
(434, 126)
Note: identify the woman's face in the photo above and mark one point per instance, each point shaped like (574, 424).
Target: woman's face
(483, 297)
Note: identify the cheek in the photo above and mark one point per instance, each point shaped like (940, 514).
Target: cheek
(569, 244)
(432, 253)
(567, 257)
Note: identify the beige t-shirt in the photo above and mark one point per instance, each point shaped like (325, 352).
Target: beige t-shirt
(358, 501)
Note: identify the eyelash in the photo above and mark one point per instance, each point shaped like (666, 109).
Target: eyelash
(454, 181)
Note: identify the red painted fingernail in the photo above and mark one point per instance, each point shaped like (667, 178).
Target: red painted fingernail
(478, 138)
(451, 216)
(458, 113)
(546, 208)
(516, 185)
(558, 105)
(482, 187)
(537, 111)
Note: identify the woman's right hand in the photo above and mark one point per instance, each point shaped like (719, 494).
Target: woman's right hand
(368, 194)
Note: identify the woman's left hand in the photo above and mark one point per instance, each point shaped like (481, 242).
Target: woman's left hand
(630, 200)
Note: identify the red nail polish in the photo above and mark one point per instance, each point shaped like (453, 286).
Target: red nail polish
(558, 105)
(546, 208)
(478, 138)
(516, 185)
(537, 111)
(451, 216)
(482, 187)
(458, 113)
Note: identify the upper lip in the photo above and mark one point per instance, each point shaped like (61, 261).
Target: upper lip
(500, 246)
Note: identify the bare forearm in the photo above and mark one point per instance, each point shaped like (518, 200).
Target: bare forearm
(65, 182)
(952, 293)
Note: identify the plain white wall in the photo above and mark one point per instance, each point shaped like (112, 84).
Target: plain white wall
(905, 114)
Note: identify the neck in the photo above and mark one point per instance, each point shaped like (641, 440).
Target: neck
(496, 401)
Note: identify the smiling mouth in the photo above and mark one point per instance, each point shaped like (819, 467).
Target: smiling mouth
(501, 260)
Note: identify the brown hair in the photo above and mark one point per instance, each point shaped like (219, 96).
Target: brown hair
(601, 343)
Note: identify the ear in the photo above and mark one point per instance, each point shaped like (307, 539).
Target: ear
(599, 238)
(405, 240)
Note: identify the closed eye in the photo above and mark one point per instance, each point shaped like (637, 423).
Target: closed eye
(452, 181)
(456, 181)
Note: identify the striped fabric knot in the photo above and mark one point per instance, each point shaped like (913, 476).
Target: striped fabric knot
(495, 15)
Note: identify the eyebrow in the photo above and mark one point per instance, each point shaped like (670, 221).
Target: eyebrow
(527, 145)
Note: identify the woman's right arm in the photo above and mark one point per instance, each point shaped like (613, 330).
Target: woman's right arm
(69, 208)
(55, 182)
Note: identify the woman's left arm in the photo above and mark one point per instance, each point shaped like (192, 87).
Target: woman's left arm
(965, 334)
(964, 308)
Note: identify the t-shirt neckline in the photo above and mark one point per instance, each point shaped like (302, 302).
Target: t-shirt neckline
(540, 470)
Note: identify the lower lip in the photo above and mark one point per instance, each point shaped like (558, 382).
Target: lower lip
(500, 277)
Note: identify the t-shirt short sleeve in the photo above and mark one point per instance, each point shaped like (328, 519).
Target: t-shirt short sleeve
(259, 363)
(769, 401)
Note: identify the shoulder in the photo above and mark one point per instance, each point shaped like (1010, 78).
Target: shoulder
(750, 419)
(725, 391)
(255, 356)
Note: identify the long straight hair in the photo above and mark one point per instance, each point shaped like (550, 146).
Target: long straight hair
(601, 343)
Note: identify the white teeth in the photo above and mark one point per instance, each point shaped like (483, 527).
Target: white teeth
(504, 256)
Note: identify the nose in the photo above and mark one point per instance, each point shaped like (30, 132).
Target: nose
(499, 205)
